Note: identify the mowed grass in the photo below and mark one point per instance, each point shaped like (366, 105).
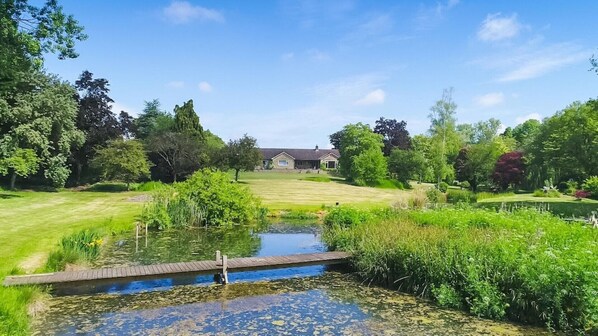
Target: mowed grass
(32, 223)
(291, 190)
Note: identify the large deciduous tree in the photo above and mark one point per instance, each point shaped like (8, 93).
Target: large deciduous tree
(95, 118)
(28, 32)
(21, 162)
(243, 154)
(444, 137)
(122, 160)
(526, 132)
(406, 164)
(361, 158)
(394, 134)
(41, 117)
(176, 155)
(509, 170)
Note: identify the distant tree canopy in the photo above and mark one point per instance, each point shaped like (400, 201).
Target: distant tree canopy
(243, 154)
(509, 170)
(186, 120)
(122, 160)
(361, 158)
(394, 134)
(445, 140)
(406, 164)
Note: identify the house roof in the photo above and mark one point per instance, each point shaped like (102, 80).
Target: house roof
(298, 153)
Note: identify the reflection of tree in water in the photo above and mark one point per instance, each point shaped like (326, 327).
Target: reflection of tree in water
(180, 245)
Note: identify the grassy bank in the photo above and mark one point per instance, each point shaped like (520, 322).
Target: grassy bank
(524, 266)
(564, 206)
(31, 226)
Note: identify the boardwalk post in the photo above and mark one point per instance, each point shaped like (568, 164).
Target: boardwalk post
(224, 270)
(218, 258)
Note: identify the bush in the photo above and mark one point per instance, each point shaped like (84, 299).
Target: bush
(460, 196)
(579, 194)
(591, 185)
(344, 217)
(149, 186)
(207, 197)
(552, 193)
(434, 196)
(465, 185)
(443, 186)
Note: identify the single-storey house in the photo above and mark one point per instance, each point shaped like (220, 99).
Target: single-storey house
(294, 158)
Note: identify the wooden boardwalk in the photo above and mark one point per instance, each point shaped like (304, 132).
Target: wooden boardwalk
(147, 272)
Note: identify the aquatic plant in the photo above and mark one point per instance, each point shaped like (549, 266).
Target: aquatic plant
(522, 265)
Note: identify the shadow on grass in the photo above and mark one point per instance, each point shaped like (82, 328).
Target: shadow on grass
(107, 187)
(8, 196)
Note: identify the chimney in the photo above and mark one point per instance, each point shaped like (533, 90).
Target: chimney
(317, 149)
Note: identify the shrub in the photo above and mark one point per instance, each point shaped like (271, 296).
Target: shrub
(149, 186)
(552, 193)
(344, 217)
(108, 187)
(591, 185)
(460, 196)
(465, 185)
(443, 186)
(579, 194)
(207, 197)
(434, 196)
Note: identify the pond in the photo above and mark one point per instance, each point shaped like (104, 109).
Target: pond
(312, 300)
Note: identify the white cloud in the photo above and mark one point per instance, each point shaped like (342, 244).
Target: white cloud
(176, 84)
(497, 27)
(317, 55)
(429, 16)
(532, 66)
(373, 98)
(524, 118)
(490, 99)
(288, 56)
(205, 87)
(117, 107)
(180, 12)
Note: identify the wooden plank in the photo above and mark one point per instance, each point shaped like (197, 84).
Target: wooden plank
(170, 269)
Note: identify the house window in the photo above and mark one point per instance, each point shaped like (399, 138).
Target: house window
(331, 164)
(283, 163)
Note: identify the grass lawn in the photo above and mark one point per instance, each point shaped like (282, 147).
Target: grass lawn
(291, 190)
(566, 206)
(32, 223)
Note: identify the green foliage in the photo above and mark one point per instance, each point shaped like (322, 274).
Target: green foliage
(434, 196)
(406, 164)
(591, 185)
(526, 132)
(361, 158)
(82, 245)
(21, 162)
(525, 265)
(392, 184)
(486, 195)
(123, 160)
(150, 186)
(344, 217)
(443, 186)
(552, 193)
(318, 178)
(243, 154)
(298, 214)
(186, 120)
(207, 197)
(465, 185)
(460, 196)
(445, 141)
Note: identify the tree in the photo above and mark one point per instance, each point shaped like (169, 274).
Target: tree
(335, 139)
(243, 154)
(405, 164)
(28, 32)
(175, 154)
(186, 120)
(445, 139)
(21, 162)
(122, 160)
(482, 131)
(361, 158)
(509, 170)
(95, 118)
(394, 134)
(127, 125)
(422, 144)
(565, 145)
(41, 117)
(152, 120)
(525, 132)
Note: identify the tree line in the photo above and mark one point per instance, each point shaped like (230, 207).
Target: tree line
(57, 133)
(561, 150)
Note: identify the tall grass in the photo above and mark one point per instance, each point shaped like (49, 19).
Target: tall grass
(83, 245)
(486, 195)
(525, 266)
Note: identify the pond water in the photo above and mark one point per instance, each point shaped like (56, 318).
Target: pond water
(311, 300)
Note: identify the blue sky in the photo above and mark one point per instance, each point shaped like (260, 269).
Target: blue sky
(291, 72)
